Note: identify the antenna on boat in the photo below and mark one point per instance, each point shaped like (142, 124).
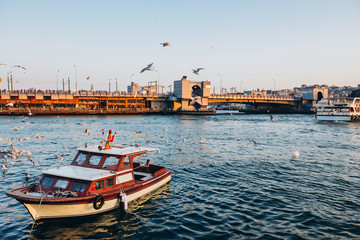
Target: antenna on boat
(102, 137)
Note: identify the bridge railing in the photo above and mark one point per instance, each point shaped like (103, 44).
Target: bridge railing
(255, 97)
(81, 93)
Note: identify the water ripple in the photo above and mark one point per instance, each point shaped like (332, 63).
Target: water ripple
(223, 185)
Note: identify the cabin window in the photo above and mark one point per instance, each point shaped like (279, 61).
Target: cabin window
(78, 187)
(126, 163)
(81, 159)
(99, 185)
(47, 181)
(111, 162)
(109, 182)
(62, 184)
(94, 160)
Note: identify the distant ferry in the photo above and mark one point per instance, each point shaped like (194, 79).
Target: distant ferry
(342, 109)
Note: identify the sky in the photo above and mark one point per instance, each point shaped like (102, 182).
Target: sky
(253, 44)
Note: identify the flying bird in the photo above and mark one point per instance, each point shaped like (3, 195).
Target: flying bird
(147, 68)
(82, 124)
(165, 44)
(19, 67)
(27, 176)
(88, 78)
(38, 136)
(165, 130)
(197, 70)
(15, 128)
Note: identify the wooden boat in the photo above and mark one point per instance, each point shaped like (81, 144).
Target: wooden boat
(99, 179)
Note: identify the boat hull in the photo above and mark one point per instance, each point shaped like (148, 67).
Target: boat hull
(42, 210)
(342, 118)
(334, 118)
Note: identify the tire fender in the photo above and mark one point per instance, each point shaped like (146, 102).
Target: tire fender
(98, 202)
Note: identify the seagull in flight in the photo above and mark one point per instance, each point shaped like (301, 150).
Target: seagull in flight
(197, 70)
(19, 67)
(147, 68)
(165, 44)
(165, 130)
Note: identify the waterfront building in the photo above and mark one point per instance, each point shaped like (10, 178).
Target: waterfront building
(192, 95)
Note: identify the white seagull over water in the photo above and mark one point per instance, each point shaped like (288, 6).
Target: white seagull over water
(147, 68)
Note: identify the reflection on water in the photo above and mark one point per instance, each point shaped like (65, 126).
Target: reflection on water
(223, 185)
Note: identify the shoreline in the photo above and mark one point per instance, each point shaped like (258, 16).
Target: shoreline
(79, 112)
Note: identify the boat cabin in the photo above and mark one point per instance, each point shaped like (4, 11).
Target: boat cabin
(94, 171)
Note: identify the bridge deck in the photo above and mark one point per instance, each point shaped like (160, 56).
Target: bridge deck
(237, 98)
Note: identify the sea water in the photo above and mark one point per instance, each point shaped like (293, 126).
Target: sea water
(233, 176)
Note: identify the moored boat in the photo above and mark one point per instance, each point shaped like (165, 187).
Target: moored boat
(99, 179)
(344, 109)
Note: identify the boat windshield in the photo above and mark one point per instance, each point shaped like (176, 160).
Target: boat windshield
(78, 187)
(111, 163)
(62, 183)
(126, 163)
(47, 181)
(94, 160)
(81, 158)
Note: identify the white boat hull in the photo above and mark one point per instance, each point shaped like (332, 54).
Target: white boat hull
(342, 118)
(49, 211)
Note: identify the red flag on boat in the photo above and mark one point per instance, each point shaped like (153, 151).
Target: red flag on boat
(112, 138)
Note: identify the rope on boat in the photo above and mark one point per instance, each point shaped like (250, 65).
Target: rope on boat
(122, 196)
(64, 194)
(37, 212)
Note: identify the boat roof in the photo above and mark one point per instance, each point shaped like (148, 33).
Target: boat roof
(118, 150)
(77, 172)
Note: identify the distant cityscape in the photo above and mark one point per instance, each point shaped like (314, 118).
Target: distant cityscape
(297, 92)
